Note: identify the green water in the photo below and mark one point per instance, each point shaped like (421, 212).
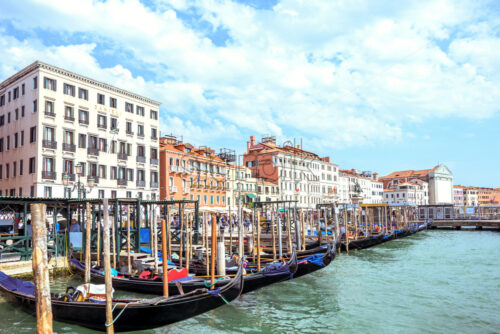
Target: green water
(432, 282)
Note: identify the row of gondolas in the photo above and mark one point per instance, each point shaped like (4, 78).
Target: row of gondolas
(189, 295)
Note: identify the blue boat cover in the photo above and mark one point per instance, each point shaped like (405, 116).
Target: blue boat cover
(14, 284)
(144, 235)
(274, 269)
(148, 251)
(317, 259)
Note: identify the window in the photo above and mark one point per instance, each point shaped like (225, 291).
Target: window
(153, 114)
(113, 193)
(32, 165)
(101, 122)
(35, 82)
(69, 89)
(130, 174)
(83, 117)
(8, 117)
(101, 99)
(112, 102)
(33, 134)
(68, 137)
(92, 169)
(2, 120)
(82, 140)
(140, 111)
(129, 107)
(114, 123)
(140, 130)
(49, 134)
(7, 171)
(129, 128)
(68, 113)
(22, 111)
(114, 145)
(1, 144)
(113, 173)
(23, 90)
(49, 108)
(16, 93)
(47, 191)
(16, 140)
(49, 84)
(68, 166)
(83, 94)
(16, 113)
(14, 169)
(129, 194)
(35, 106)
(2, 100)
(153, 133)
(102, 171)
(83, 168)
(48, 164)
(1, 173)
(103, 147)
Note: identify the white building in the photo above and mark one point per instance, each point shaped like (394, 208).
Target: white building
(354, 183)
(52, 120)
(458, 195)
(301, 175)
(408, 193)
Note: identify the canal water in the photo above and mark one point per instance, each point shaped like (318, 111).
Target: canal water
(432, 282)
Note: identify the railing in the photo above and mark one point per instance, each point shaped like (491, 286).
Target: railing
(173, 189)
(18, 247)
(140, 135)
(48, 175)
(83, 121)
(140, 183)
(69, 147)
(96, 179)
(186, 190)
(154, 137)
(122, 156)
(122, 182)
(69, 118)
(92, 151)
(102, 126)
(141, 159)
(154, 184)
(49, 144)
(129, 132)
(71, 177)
(50, 113)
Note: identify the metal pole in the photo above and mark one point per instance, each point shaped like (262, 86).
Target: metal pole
(87, 243)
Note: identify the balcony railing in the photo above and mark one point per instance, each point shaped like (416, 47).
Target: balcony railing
(71, 177)
(154, 137)
(49, 144)
(93, 151)
(69, 147)
(140, 183)
(186, 190)
(173, 189)
(96, 179)
(102, 126)
(129, 132)
(141, 159)
(122, 182)
(50, 113)
(140, 134)
(83, 121)
(154, 184)
(49, 175)
(69, 118)
(122, 156)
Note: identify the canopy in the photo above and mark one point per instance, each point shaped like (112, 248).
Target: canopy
(251, 195)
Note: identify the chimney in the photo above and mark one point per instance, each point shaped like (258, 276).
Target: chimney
(252, 140)
(375, 176)
(298, 146)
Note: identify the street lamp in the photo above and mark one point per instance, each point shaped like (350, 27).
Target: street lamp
(79, 185)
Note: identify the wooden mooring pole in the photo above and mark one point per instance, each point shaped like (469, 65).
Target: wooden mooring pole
(213, 251)
(41, 270)
(88, 231)
(164, 257)
(107, 269)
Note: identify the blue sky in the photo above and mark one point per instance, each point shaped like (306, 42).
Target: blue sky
(375, 85)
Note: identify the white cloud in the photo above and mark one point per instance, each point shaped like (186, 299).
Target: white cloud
(338, 72)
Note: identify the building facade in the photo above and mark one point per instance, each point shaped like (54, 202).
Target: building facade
(412, 193)
(191, 173)
(458, 195)
(470, 196)
(52, 120)
(300, 175)
(365, 186)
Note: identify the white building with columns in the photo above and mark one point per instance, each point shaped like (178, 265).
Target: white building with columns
(52, 120)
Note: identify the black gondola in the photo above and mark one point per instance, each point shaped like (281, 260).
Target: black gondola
(316, 261)
(129, 315)
(252, 281)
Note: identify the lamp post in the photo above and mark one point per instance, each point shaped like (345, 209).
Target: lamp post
(82, 189)
(240, 223)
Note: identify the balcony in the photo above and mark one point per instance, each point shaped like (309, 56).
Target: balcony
(139, 134)
(93, 151)
(154, 137)
(69, 118)
(122, 182)
(69, 147)
(141, 159)
(140, 183)
(49, 175)
(102, 126)
(50, 113)
(154, 184)
(71, 177)
(83, 121)
(129, 132)
(173, 189)
(49, 144)
(186, 190)
(96, 178)
(122, 156)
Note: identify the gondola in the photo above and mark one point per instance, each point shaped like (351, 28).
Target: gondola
(315, 262)
(129, 314)
(365, 242)
(270, 274)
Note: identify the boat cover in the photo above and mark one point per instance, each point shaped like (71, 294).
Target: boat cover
(317, 259)
(276, 269)
(14, 284)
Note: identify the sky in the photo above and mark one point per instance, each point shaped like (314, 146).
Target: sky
(375, 85)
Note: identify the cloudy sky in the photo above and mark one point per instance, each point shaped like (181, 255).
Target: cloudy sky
(375, 85)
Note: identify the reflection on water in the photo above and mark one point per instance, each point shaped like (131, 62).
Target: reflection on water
(435, 281)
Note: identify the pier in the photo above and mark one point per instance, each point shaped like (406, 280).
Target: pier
(469, 223)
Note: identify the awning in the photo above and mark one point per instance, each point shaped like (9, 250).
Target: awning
(251, 195)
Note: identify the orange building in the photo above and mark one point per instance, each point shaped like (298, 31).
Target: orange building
(189, 173)
(488, 196)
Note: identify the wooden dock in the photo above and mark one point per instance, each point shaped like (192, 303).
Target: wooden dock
(463, 223)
